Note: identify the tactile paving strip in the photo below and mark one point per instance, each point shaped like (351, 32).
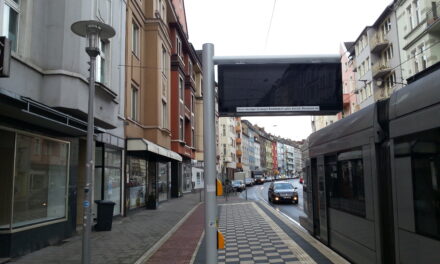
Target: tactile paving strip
(251, 238)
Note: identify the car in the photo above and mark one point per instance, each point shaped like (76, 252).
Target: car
(238, 185)
(249, 181)
(268, 179)
(282, 191)
(301, 180)
(259, 179)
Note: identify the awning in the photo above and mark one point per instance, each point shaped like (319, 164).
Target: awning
(140, 144)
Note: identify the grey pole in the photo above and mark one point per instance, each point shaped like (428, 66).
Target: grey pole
(93, 31)
(209, 153)
(90, 165)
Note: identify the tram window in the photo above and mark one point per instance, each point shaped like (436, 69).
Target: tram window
(345, 177)
(424, 149)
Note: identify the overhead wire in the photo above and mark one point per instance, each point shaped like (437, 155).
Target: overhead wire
(270, 24)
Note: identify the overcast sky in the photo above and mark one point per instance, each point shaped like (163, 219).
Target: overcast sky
(240, 27)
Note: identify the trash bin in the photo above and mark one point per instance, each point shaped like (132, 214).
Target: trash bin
(105, 215)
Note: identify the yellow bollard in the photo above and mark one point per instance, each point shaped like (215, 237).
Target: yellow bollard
(220, 240)
(219, 188)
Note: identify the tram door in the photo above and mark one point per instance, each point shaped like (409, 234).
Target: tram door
(315, 199)
(322, 200)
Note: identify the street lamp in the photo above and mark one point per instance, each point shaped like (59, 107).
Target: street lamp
(93, 31)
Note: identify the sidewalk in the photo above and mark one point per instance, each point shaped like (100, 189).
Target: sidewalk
(130, 238)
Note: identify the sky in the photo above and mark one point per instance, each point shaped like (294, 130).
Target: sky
(245, 27)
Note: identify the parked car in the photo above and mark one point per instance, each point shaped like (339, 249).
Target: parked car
(268, 179)
(238, 185)
(282, 191)
(249, 181)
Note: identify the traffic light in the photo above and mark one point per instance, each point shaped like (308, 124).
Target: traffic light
(5, 56)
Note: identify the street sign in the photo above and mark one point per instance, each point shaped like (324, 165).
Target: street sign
(5, 56)
(301, 85)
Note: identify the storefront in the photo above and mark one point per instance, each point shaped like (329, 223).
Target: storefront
(108, 175)
(187, 176)
(148, 173)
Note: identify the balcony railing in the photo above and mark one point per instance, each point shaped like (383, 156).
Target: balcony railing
(378, 43)
(237, 128)
(238, 141)
(380, 69)
(432, 19)
(239, 165)
(239, 153)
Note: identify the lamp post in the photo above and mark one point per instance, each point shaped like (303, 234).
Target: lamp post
(93, 31)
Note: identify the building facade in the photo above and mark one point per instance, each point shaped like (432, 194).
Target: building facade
(184, 65)
(228, 146)
(43, 113)
(148, 104)
(419, 32)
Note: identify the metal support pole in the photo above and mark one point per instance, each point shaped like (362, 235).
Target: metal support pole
(90, 165)
(209, 153)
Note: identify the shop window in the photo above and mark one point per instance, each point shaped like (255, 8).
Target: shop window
(137, 181)
(40, 181)
(108, 167)
(162, 183)
(424, 150)
(345, 178)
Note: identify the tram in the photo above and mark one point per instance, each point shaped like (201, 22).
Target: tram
(372, 179)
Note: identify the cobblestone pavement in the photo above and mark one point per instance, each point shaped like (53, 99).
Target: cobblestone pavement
(129, 239)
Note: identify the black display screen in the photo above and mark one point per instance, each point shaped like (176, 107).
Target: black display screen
(280, 89)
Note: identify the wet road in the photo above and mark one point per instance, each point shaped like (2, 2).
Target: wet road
(259, 192)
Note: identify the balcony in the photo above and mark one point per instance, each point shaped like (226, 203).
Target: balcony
(381, 69)
(432, 19)
(238, 141)
(239, 165)
(378, 43)
(346, 99)
(237, 129)
(239, 153)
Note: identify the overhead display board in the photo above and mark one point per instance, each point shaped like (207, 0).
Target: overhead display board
(296, 85)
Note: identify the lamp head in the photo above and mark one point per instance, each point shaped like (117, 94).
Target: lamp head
(93, 31)
(379, 82)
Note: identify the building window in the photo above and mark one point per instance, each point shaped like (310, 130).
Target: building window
(164, 114)
(164, 61)
(345, 177)
(417, 14)
(135, 39)
(423, 60)
(415, 62)
(224, 130)
(193, 103)
(35, 179)
(179, 47)
(423, 149)
(134, 103)
(193, 138)
(181, 129)
(181, 88)
(11, 12)
(102, 63)
(224, 149)
(410, 17)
